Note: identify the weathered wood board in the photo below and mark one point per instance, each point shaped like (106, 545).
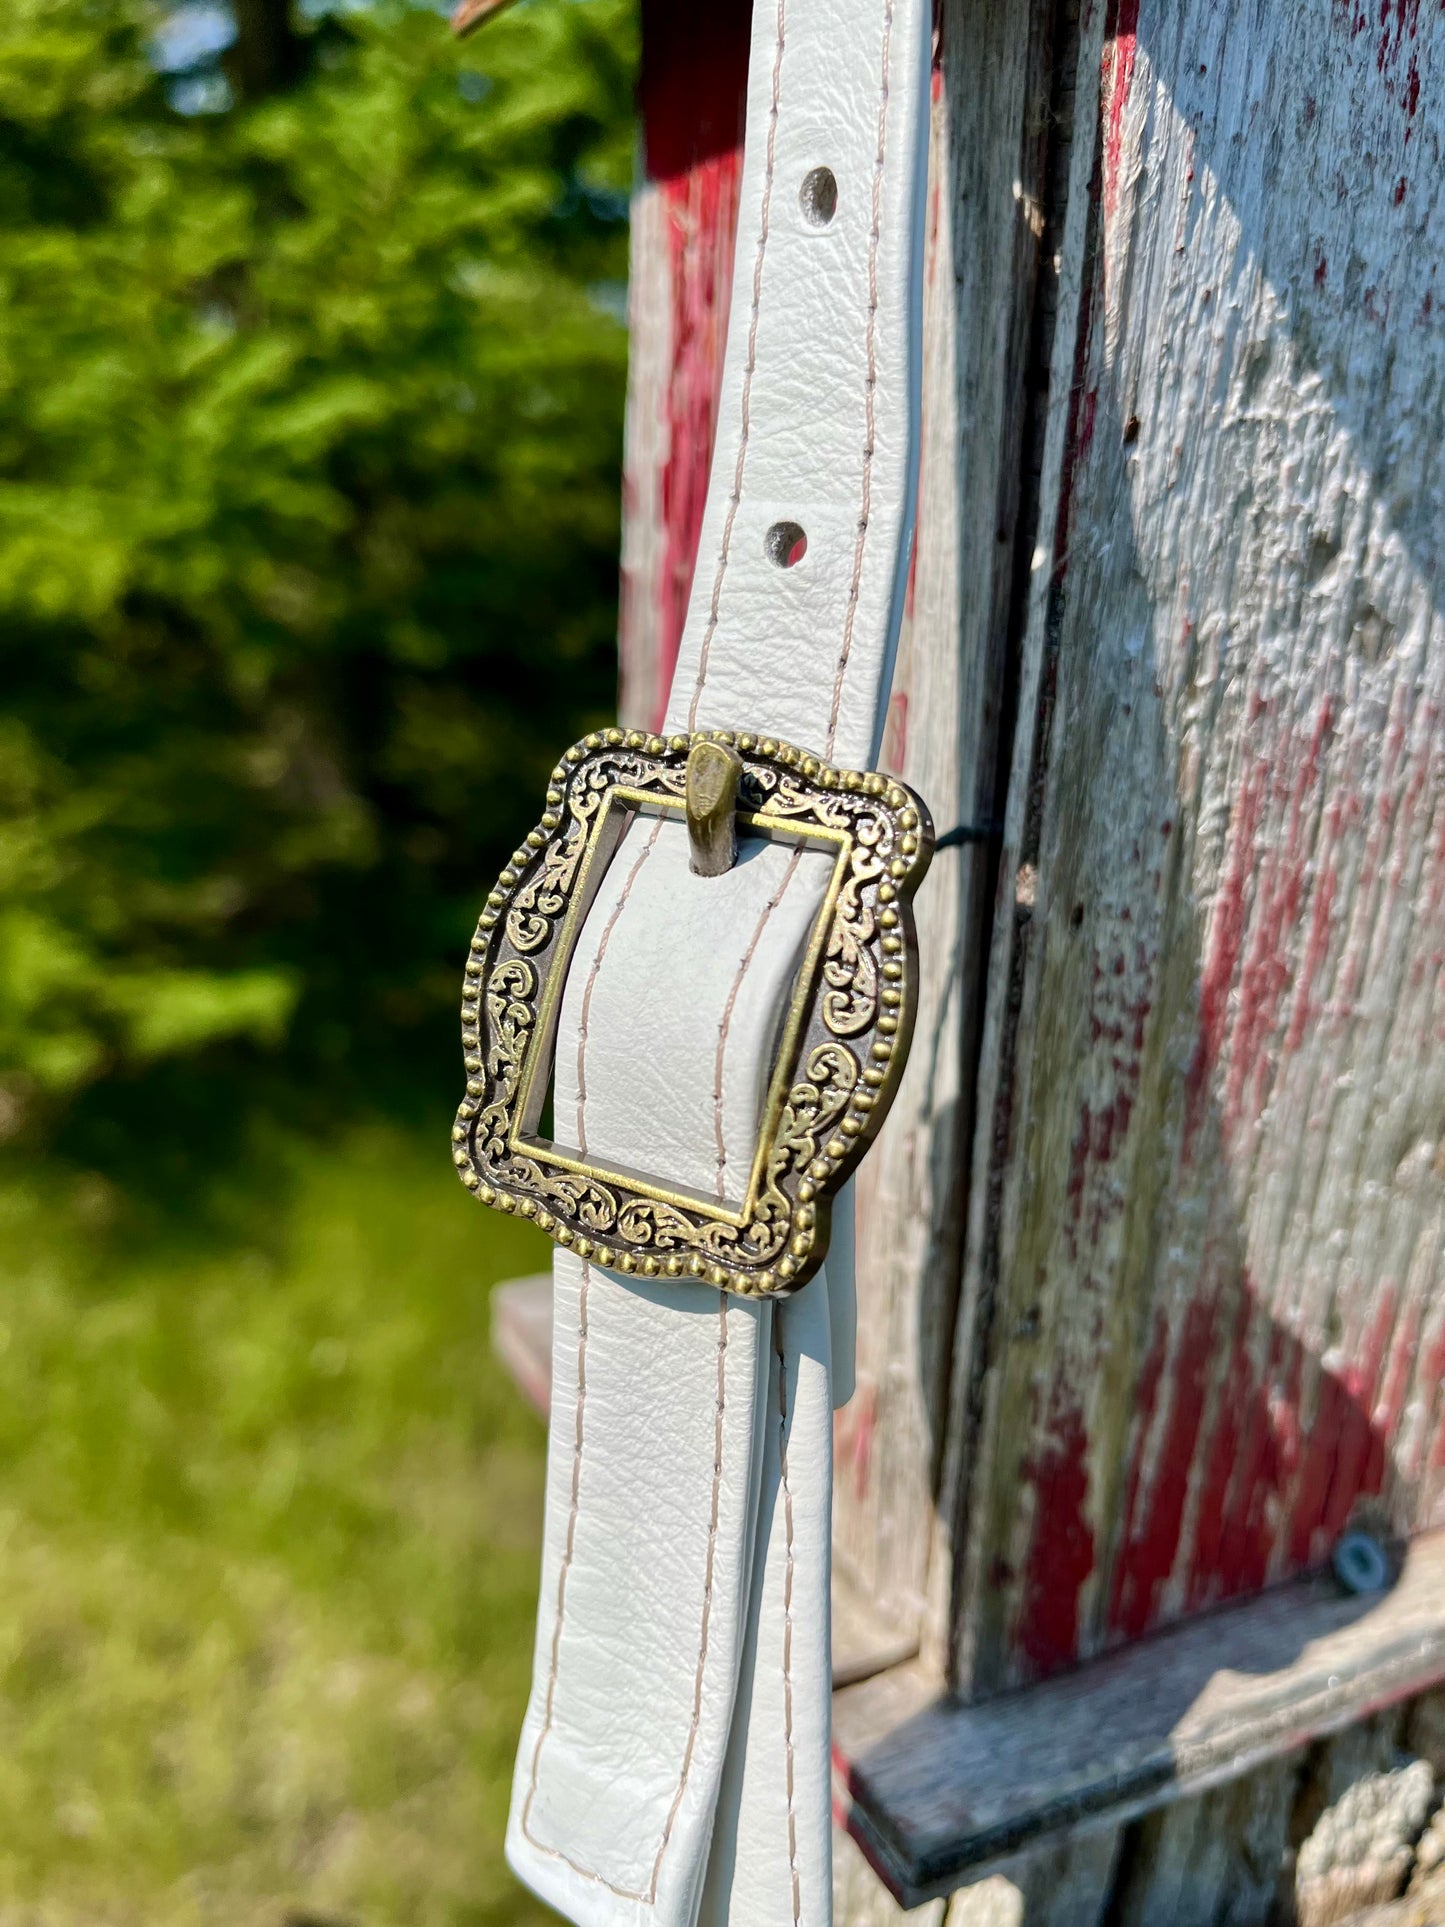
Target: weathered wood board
(1208, 1182)
(1204, 1305)
(1068, 1884)
(945, 737)
(934, 1789)
(1222, 1857)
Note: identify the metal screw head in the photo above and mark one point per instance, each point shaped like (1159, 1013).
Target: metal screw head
(1360, 1564)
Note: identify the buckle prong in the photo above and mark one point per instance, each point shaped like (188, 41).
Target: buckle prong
(714, 772)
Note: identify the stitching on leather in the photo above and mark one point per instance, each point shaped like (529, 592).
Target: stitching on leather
(735, 498)
(734, 503)
(717, 1466)
(724, 1026)
(567, 1550)
(556, 1853)
(717, 1469)
(726, 1020)
(787, 1615)
(870, 386)
(648, 1898)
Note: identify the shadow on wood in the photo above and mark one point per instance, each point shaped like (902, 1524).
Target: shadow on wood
(937, 1791)
(1204, 1304)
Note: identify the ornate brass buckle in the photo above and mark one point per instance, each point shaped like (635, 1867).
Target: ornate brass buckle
(844, 1042)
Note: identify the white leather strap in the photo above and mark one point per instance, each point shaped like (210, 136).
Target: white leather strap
(817, 422)
(674, 1765)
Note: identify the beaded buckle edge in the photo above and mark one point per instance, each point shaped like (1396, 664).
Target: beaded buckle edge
(844, 1041)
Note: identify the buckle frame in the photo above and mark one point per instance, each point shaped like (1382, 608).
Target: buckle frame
(844, 1040)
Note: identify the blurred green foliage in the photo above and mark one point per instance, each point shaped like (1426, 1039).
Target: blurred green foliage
(269, 1526)
(310, 419)
(310, 443)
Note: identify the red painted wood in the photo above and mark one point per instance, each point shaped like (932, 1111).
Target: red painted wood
(693, 87)
(1221, 1315)
(701, 205)
(1197, 1416)
(693, 97)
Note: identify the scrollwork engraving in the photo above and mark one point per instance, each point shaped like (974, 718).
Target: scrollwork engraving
(847, 1062)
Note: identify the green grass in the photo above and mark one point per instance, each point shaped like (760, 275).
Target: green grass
(269, 1520)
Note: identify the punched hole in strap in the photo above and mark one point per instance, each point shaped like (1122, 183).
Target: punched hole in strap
(785, 544)
(818, 196)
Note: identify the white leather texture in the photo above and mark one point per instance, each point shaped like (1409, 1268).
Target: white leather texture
(817, 423)
(771, 1855)
(673, 1002)
(657, 1419)
(674, 1765)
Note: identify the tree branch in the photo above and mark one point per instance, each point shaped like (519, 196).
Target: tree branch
(268, 54)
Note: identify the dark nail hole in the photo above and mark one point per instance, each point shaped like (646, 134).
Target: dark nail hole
(786, 544)
(819, 196)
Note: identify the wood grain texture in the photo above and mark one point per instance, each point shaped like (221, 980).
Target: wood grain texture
(943, 736)
(1423, 1909)
(1371, 1745)
(1424, 1733)
(933, 1789)
(1202, 1316)
(1361, 1865)
(1064, 1885)
(1204, 1306)
(1219, 1858)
